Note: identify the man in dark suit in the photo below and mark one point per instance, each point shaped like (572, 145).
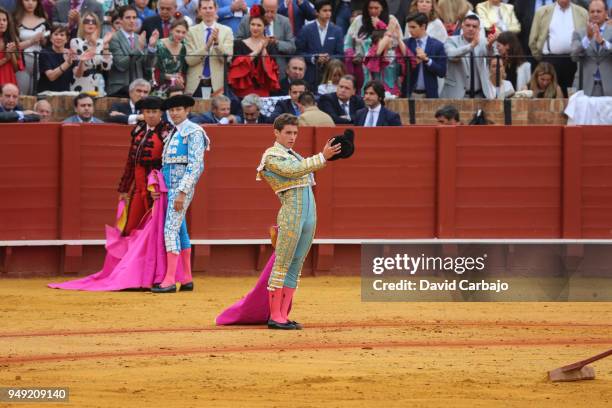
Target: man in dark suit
(10, 111)
(290, 105)
(343, 104)
(219, 113)
(296, 69)
(126, 112)
(65, 13)
(320, 42)
(297, 11)
(162, 21)
(424, 79)
(251, 110)
(375, 114)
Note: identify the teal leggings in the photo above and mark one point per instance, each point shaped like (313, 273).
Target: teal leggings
(297, 220)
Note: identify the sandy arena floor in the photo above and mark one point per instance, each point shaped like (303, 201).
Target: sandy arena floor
(134, 349)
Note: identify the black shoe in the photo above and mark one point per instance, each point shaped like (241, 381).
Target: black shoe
(297, 325)
(159, 289)
(280, 326)
(186, 287)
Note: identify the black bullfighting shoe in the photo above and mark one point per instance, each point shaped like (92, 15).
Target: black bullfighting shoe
(297, 325)
(186, 287)
(280, 326)
(159, 289)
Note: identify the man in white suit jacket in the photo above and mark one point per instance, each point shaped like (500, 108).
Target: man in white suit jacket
(459, 49)
(206, 58)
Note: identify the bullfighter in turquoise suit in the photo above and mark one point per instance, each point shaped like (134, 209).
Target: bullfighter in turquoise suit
(290, 176)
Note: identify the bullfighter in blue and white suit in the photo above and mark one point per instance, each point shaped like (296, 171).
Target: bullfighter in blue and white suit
(182, 165)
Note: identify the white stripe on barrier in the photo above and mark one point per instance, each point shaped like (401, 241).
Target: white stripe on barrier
(323, 241)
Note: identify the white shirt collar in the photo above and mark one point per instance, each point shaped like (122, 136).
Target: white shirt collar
(558, 7)
(180, 127)
(128, 35)
(322, 28)
(376, 109)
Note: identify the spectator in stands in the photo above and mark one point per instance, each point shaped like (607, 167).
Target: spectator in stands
(342, 105)
(161, 21)
(544, 83)
(84, 110)
(278, 29)
(9, 98)
(320, 42)
(375, 113)
(452, 13)
(44, 110)
(251, 110)
(93, 56)
(189, 9)
(358, 39)
(296, 69)
(503, 89)
(142, 12)
(385, 58)
(435, 26)
(331, 76)
(448, 115)
(231, 12)
(430, 57)
(466, 54)
(345, 10)
(253, 68)
(497, 16)
(70, 12)
(9, 61)
(208, 43)
(56, 63)
(127, 113)
(298, 12)
(170, 53)
(518, 70)
(129, 53)
(593, 48)
(31, 23)
(290, 105)
(550, 39)
(525, 11)
(219, 113)
(10, 111)
(310, 114)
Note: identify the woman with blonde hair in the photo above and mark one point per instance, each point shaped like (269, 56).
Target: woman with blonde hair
(435, 26)
(334, 70)
(544, 82)
(93, 55)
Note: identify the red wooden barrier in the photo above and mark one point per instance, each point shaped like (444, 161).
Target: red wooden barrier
(59, 182)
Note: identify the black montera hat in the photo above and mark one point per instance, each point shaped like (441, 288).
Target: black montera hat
(178, 100)
(150, 102)
(347, 146)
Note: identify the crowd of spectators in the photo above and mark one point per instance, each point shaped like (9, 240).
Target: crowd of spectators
(333, 57)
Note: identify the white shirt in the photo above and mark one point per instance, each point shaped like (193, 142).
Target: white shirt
(560, 31)
(133, 118)
(374, 114)
(322, 32)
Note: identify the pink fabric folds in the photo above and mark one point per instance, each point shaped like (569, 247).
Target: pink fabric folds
(254, 307)
(135, 261)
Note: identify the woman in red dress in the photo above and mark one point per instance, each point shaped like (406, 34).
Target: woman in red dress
(253, 68)
(145, 154)
(9, 59)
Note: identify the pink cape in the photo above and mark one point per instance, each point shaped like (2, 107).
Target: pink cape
(254, 307)
(135, 261)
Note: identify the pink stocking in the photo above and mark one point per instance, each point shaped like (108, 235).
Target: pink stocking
(287, 296)
(276, 297)
(170, 279)
(186, 260)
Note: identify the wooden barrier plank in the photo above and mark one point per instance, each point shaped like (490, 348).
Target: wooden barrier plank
(572, 180)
